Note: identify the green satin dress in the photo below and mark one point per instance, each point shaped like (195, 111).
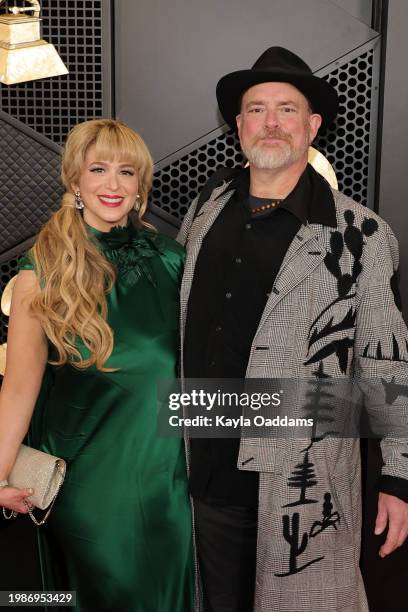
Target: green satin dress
(120, 532)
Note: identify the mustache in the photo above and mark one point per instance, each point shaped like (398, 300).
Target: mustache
(275, 133)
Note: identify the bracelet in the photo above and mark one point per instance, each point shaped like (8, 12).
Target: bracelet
(13, 514)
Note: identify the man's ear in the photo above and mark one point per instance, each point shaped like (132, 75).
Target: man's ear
(238, 120)
(315, 121)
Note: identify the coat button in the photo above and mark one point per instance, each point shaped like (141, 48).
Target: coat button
(248, 226)
(228, 295)
(238, 260)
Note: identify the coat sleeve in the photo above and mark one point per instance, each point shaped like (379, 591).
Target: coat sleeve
(381, 360)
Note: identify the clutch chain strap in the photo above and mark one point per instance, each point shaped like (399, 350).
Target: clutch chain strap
(13, 513)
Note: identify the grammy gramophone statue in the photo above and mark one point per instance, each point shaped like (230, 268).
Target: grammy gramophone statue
(24, 56)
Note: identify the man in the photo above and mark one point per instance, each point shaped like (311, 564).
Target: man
(286, 278)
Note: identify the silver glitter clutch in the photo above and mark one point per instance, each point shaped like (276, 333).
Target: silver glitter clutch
(41, 472)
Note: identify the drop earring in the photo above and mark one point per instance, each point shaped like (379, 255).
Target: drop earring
(137, 203)
(79, 205)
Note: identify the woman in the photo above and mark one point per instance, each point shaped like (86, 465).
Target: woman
(102, 309)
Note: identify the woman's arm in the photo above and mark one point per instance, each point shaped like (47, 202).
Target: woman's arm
(27, 354)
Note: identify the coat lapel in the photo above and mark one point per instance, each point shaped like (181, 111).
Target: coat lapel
(199, 229)
(306, 251)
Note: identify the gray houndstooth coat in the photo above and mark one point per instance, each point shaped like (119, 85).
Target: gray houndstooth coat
(336, 285)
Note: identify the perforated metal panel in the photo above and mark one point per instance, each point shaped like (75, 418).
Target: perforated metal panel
(349, 143)
(53, 106)
(176, 185)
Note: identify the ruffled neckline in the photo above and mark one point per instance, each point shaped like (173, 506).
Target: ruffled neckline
(129, 249)
(116, 237)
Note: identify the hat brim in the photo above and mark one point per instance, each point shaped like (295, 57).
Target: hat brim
(321, 95)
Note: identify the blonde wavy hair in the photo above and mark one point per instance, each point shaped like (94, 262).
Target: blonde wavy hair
(74, 276)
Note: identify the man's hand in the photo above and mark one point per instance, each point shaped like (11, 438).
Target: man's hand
(393, 511)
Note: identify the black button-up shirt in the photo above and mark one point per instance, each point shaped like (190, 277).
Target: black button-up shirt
(234, 274)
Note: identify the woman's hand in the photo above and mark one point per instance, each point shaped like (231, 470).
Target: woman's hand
(13, 499)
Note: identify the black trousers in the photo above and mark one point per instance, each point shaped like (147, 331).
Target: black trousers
(226, 543)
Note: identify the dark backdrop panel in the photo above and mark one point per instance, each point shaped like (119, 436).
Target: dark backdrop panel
(393, 205)
(29, 170)
(170, 55)
(20, 569)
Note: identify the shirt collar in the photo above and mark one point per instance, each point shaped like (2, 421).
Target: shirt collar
(311, 200)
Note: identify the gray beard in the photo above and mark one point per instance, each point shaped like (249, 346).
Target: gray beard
(265, 159)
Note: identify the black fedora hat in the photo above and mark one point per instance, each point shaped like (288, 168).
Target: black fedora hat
(279, 65)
